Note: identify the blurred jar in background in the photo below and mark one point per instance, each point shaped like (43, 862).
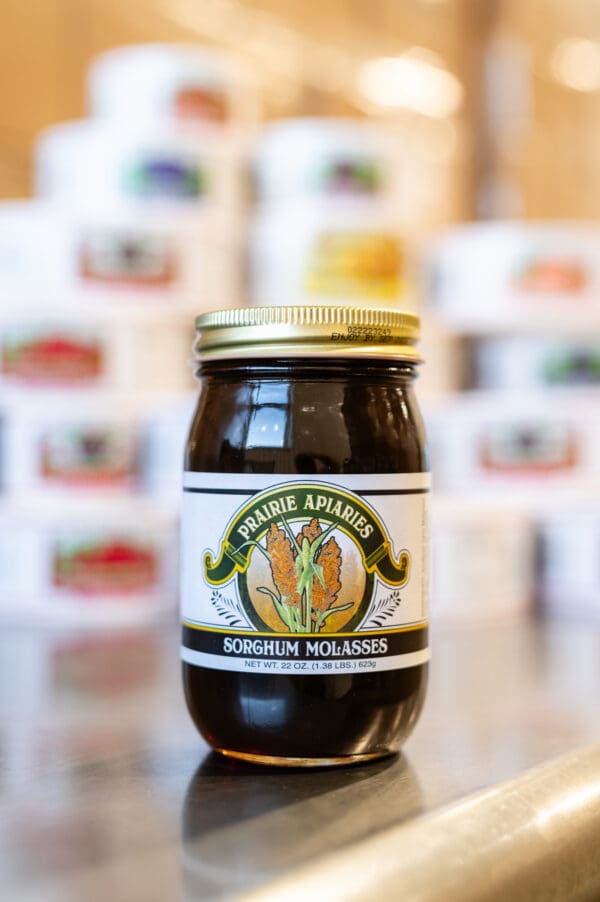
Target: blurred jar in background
(183, 83)
(101, 562)
(330, 223)
(97, 163)
(483, 562)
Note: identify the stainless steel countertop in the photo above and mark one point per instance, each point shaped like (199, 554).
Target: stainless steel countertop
(107, 791)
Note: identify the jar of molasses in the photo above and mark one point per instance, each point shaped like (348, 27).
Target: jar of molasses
(304, 535)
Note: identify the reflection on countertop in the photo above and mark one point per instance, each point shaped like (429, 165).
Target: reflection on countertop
(240, 824)
(106, 790)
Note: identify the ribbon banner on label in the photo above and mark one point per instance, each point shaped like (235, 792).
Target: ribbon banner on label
(291, 502)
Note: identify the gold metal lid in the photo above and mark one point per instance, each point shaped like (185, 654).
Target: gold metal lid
(252, 332)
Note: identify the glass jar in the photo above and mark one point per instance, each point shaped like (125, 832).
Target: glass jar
(304, 535)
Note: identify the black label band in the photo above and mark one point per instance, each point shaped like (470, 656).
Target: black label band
(284, 646)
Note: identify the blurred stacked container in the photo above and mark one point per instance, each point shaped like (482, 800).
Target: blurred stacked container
(523, 439)
(334, 225)
(137, 227)
(330, 225)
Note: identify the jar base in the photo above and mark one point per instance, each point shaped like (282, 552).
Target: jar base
(281, 761)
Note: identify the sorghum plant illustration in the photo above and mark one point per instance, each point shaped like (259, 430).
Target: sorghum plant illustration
(306, 571)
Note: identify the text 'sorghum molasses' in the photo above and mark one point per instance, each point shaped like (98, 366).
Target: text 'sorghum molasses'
(304, 536)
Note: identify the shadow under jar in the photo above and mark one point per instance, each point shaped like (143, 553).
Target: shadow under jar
(304, 535)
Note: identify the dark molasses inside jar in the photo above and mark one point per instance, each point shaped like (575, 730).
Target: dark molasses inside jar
(304, 535)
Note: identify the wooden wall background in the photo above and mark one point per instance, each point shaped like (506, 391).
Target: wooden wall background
(306, 53)
(45, 47)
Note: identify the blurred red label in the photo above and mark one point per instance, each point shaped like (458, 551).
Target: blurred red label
(528, 449)
(88, 456)
(198, 102)
(551, 275)
(52, 357)
(127, 258)
(111, 567)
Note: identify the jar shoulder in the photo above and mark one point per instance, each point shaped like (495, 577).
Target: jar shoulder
(299, 426)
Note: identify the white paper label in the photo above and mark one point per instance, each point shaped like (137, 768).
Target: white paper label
(304, 574)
